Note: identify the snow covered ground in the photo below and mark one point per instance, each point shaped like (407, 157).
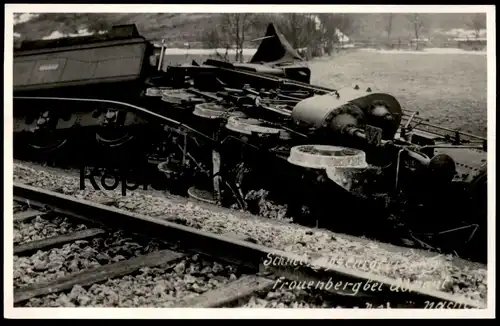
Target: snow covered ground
(427, 51)
(57, 34)
(177, 51)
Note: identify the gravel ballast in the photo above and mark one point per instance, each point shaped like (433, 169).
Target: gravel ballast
(40, 228)
(150, 287)
(44, 266)
(281, 298)
(407, 265)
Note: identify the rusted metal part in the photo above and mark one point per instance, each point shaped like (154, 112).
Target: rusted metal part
(201, 195)
(351, 179)
(324, 156)
(231, 250)
(162, 55)
(210, 111)
(217, 180)
(373, 135)
(250, 126)
(469, 162)
(179, 96)
(346, 167)
(156, 91)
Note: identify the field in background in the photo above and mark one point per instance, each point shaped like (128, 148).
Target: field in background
(450, 89)
(426, 51)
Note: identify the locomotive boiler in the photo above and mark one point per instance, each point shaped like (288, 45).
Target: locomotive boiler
(237, 134)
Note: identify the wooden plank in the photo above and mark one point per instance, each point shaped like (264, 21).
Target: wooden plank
(235, 236)
(95, 275)
(27, 215)
(106, 201)
(31, 213)
(51, 242)
(240, 237)
(17, 207)
(240, 289)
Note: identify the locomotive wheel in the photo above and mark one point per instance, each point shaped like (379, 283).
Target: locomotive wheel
(202, 195)
(113, 138)
(46, 142)
(45, 138)
(112, 131)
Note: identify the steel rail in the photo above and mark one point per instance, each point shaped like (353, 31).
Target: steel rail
(231, 250)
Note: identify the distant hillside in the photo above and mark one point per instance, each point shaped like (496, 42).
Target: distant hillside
(155, 26)
(151, 25)
(190, 27)
(373, 26)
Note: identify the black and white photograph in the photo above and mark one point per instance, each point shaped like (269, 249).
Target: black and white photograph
(333, 158)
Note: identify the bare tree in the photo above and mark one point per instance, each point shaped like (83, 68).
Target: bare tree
(331, 24)
(211, 39)
(347, 23)
(235, 26)
(99, 25)
(261, 21)
(298, 29)
(388, 26)
(328, 31)
(418, 25)
(477, 23)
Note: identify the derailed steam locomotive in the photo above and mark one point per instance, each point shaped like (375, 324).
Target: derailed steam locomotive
(230, 133)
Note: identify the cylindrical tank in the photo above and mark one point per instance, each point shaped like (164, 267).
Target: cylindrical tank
(320, 111)
(349, 107)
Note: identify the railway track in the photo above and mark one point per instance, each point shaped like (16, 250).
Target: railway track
(171, 265)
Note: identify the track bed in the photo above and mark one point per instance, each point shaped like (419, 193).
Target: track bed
(441, 273)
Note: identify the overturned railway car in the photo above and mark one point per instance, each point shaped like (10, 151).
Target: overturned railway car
(240, 134)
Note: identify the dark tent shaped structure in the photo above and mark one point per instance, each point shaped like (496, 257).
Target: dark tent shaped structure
(275, 48)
